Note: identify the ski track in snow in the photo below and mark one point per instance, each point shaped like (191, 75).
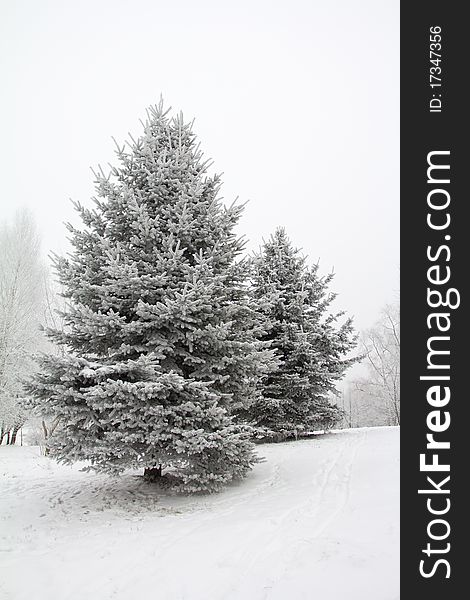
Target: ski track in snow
(318, 518)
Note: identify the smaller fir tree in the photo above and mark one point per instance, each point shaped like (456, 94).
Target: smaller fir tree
(311, 346)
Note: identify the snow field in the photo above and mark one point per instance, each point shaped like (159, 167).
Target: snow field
(318, 519)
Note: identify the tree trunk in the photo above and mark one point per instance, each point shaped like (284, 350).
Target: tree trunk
(44, 428)
(153, 473)
(14, 433)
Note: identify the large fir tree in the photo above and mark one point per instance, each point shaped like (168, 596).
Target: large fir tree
(310, 343)
(160, 337)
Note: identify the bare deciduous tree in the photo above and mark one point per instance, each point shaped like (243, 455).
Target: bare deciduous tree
(381, 346)
(22, 276)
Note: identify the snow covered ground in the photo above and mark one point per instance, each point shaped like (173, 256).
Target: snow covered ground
(318, 519)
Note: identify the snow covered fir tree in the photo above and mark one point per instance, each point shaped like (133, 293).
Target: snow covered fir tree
(160, 339)
(312, 347)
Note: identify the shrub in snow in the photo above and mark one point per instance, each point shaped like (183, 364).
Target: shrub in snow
(160, 336)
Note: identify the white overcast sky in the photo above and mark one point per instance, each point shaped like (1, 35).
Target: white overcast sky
(297, 103)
